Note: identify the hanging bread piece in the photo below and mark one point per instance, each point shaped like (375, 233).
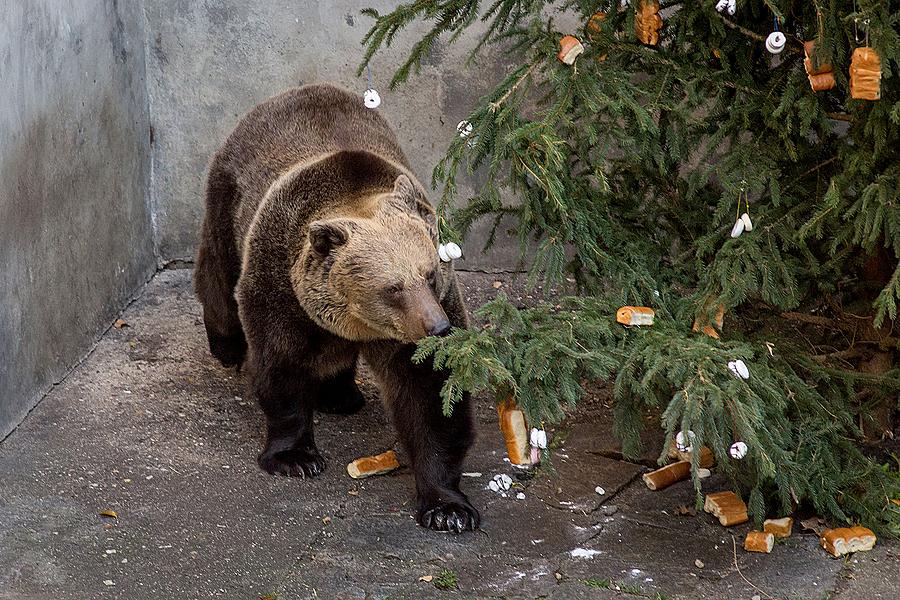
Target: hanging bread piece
(515, 433)
(569, 49)
(865, 74)
(647, 22)
(821, 78)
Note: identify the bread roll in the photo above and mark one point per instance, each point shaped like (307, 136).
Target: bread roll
(845, 540)
(663, 478)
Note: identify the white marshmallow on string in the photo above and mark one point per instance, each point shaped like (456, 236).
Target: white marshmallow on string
(738, 450)
(449, 251)
(538, 438)
(465, 130)
(685, 441)
(739, 369)
(776, 41)
(729, 6)
(371, 97)
(742, 222)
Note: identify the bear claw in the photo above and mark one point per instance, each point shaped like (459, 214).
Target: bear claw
(293, 463)
(449, 516)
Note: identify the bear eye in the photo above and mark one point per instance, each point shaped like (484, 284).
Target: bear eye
(395, 289)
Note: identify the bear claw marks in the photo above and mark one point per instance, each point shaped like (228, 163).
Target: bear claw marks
(292, 463)
(452, 517)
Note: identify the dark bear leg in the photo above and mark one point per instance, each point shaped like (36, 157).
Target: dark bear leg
(436, 444)
(339, 395)
(218, 268)
(287, 397)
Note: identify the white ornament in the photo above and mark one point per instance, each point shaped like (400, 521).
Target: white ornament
(683, 442)
(748, 224)
(538, 438)
(732, 7)
(775, 42)
(453, 250)
(600, 491)
(722, 5)
(738, 450)
(520, 496)
(495, 487)
(738, 228)
(741, 369)
(371, 98)
(464, 129)
(442, 253)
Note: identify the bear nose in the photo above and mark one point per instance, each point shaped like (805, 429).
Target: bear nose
(440, 328)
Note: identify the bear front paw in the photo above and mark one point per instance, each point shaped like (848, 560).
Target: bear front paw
(449, 516)
(292, 463)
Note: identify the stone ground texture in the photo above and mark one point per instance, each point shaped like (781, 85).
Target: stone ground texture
(150, 426)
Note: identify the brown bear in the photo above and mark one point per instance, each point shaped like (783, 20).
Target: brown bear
(319, 246)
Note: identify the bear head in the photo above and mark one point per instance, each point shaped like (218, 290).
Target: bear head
(375, 277)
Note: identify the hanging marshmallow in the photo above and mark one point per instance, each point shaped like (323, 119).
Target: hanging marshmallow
(738, 450)
(739, 369)
(684, 441)
(538, 438)
(442, 253)
(453, 250)
(748, 224)
(371, 98)
(738, 228)
(775, 42)
(464, 129)
(732, 7)
(722, 5)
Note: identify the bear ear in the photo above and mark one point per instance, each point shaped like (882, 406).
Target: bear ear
(324, 236)
(409, 198)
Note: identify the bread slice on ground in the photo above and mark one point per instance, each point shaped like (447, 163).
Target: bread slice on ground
(663, 478)
(759, 541)
(780, 528)
(845, 540)
(728, 507)
(368, 466)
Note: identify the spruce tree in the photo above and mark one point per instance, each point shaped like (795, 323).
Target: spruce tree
(630, 169)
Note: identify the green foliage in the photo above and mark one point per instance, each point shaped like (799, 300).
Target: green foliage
(446, 580)
(623, 174)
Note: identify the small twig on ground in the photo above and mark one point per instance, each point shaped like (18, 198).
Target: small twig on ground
(750, 583)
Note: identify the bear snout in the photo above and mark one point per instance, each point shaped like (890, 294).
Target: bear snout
(427, 316)
(441, 327)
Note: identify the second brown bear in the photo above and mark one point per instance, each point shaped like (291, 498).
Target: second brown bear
(318, 247)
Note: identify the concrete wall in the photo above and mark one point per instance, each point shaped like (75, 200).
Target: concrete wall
(210, 61)
(75, 236)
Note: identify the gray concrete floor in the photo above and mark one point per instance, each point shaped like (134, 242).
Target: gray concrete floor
(151, 427)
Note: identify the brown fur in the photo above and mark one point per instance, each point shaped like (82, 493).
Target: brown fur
(318, 246)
